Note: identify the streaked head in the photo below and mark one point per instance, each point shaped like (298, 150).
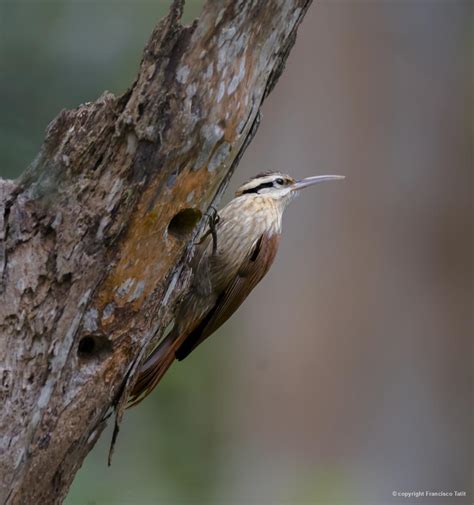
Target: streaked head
(280, 187)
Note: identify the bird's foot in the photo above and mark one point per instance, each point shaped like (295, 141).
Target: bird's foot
(213, 220)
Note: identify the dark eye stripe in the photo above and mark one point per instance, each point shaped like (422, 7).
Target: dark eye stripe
(259, 187)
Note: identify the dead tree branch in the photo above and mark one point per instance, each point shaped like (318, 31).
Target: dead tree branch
(95, 237)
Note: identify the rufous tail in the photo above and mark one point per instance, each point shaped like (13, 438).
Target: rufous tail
(152, 371)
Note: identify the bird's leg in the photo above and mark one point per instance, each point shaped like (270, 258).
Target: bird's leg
(214, 218)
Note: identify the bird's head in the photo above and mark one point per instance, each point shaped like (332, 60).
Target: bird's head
(280, 187)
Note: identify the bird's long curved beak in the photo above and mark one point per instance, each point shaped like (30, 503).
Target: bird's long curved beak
(309, 181)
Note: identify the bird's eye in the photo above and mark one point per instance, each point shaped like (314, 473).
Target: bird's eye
(280, 181)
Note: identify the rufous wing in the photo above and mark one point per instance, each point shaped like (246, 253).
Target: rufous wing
(253, 269)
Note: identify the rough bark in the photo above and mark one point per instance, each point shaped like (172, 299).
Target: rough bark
(93, 259)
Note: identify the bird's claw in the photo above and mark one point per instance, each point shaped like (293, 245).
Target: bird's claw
(213, 220)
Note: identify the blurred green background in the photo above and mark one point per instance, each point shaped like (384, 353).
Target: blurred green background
(348, 373)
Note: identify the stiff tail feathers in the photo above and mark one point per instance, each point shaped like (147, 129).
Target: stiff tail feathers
(152, 371)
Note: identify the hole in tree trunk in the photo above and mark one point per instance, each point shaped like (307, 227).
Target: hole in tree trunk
(94, 347)
(183, 223)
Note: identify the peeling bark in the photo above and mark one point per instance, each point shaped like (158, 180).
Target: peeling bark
(90, 273)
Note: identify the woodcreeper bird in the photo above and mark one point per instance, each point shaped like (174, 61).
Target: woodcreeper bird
(230, 259)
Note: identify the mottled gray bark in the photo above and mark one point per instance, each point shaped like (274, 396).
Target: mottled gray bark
(90, 267)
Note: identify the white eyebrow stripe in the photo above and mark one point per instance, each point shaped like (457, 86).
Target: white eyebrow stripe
(258, 182)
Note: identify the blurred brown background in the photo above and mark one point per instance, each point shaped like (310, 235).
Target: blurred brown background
(347, 375)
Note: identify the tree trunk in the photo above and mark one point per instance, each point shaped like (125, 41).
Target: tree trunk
(96, 236)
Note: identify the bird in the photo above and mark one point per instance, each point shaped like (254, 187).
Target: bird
(231, 258)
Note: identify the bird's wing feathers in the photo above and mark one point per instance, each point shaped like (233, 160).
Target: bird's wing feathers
(253, 269)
